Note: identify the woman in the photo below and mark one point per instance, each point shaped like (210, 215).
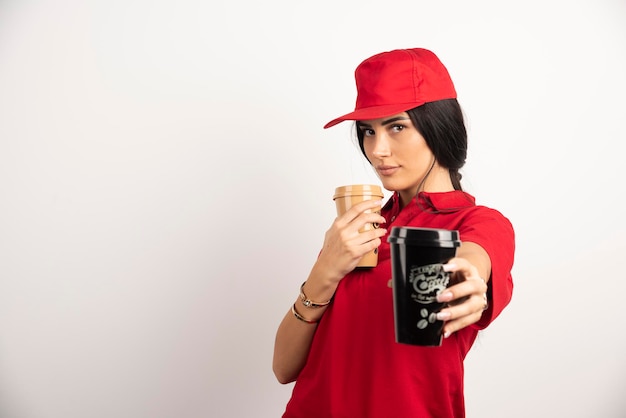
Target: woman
(337, 341)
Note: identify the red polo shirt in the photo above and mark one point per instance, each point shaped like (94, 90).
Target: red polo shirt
(355, 369)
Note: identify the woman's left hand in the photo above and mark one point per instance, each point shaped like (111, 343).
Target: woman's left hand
(467, 298)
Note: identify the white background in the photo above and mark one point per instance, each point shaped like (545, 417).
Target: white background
(165, 184)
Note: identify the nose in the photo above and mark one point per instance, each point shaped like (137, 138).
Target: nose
(381, 147)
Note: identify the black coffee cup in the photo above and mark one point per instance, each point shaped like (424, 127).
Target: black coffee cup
(417, 258)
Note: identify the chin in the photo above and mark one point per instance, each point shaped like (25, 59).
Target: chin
(392, 186)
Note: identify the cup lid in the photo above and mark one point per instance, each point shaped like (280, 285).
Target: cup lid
(358, 190)
(431, 237)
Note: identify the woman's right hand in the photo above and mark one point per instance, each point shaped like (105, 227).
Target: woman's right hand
(344, 245)
(343, 248)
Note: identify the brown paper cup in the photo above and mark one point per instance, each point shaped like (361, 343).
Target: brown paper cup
(347, 196)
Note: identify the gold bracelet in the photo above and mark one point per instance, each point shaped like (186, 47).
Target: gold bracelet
(308, 302)
(300, 317)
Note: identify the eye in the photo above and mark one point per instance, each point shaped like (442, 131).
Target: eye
(367, 131)
(397, 127)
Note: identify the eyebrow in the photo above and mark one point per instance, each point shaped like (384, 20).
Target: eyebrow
(385, 122)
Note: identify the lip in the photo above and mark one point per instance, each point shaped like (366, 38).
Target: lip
(386, 170)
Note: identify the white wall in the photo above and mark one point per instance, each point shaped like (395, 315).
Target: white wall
(165, 183)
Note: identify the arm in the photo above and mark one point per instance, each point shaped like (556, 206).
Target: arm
(342, 249)
(294, 337)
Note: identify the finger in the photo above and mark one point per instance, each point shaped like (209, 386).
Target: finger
(370, 245)
(472, 304)
(455, 325)
(368, 236)
(460, 266)
(372, 206)
(464, 314)
(365, 242)
(354, 252)
(463, 289)
(362, 223)
(460, 269)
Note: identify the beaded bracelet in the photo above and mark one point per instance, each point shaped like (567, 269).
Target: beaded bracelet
(308, 302)
(300, 317)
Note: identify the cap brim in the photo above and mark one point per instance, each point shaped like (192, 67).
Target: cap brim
(373, 112)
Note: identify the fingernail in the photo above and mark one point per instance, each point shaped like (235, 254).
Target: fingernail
(443, 316)
(444, 297)
(449, 267)
(446, 334)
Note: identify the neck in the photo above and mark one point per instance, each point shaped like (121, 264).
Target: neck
(437, 181)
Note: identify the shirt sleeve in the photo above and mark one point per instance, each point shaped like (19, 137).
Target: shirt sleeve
(494, 233)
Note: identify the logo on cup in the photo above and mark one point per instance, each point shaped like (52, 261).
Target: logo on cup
(428, 281)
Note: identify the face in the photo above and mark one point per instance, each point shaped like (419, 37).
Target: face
(401, 157)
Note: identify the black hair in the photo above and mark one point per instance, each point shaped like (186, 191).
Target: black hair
(442, 125)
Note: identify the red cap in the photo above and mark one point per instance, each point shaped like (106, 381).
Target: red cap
(397, 81)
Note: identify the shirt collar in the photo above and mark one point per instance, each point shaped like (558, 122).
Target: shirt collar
(441, 202)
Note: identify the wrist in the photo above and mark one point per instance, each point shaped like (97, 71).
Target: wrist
(311, 303)
(302, 318)
(316, 292)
